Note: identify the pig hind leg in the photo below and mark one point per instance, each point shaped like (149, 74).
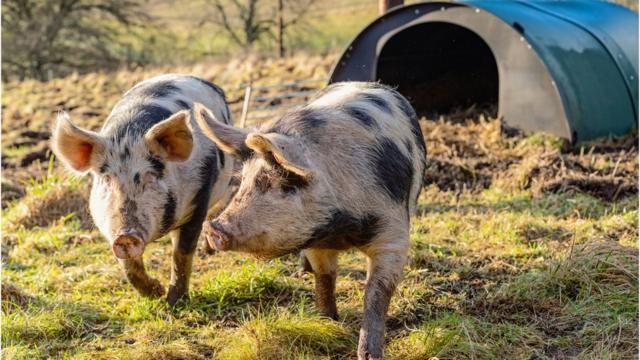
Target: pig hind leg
(384, 272)
(305, 265)
(324, 263)
(146, 285)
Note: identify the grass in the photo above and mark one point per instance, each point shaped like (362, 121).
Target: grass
(543, 276)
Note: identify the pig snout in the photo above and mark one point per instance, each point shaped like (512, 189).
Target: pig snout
(128, 244)
(216, 235)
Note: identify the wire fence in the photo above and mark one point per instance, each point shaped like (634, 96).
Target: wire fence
(263, 102)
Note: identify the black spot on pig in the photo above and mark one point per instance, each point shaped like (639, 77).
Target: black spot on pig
(221, 157)
(189, 232)
(149, 115)
(128, 210)
(169, 213)
(160, 89)
(157, 165)
(183, 104)
(311, 118)
(404, 105)
(144, 117)
(379, 102)
(124, 156)
(343, 230)
(226, 114)
(361, 115)
(407, 144)
(408, 110)
(299, 121)
(210, 85)
(393, 170)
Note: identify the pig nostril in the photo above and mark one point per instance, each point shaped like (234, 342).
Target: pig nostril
(216, 236)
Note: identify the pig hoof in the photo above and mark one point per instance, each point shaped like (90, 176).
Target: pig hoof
(368, 356)
(154, 289)
(175, 294)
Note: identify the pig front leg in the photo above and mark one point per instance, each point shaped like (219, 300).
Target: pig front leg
(185, 241)
(384, 273)
(138, 277)
(324, 263)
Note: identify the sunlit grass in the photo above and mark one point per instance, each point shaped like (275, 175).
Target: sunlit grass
(501, 272)
(488, 272)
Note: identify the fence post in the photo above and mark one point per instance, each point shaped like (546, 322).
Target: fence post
(245, 106)
(386, 5)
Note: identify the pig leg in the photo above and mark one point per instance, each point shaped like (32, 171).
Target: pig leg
(324, 263)
(305, 265)
(185, 241)
(146, 285)
(384, 272)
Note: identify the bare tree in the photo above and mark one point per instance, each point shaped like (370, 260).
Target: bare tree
(247, 21)
(242, 20)
(294, 11)
(42, 36)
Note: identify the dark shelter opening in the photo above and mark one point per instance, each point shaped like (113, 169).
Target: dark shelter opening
(442, 68)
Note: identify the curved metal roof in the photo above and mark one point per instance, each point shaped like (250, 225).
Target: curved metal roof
(586, 56)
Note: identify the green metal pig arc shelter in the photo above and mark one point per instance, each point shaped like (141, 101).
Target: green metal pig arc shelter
(568, 68)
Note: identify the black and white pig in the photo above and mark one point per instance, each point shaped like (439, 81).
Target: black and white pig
(342, 172)
(152, 174)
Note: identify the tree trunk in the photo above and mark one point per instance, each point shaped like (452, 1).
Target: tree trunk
(280, 32)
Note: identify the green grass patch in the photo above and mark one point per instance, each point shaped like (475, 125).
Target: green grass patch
(282, 335)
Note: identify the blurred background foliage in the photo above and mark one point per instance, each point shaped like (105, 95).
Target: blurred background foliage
(44, 39)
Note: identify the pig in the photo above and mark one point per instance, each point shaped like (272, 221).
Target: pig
(152, 174)
(342, 172)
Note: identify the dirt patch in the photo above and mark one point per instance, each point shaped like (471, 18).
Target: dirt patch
(10, 192)
(13, 297)
(453, 177)
(477, 154)
(533, 234)
(603, 188)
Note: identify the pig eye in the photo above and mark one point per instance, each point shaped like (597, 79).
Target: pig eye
(288, 189)
(149, 178)
(107, 179)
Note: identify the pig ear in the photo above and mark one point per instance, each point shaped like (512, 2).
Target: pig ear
(228, 138)
(171, 138)
(75, 147)
(284, 151)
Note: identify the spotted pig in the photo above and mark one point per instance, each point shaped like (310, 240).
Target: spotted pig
(342, 172)
(152, 174)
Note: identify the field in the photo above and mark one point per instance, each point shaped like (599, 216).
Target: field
(522, 248)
